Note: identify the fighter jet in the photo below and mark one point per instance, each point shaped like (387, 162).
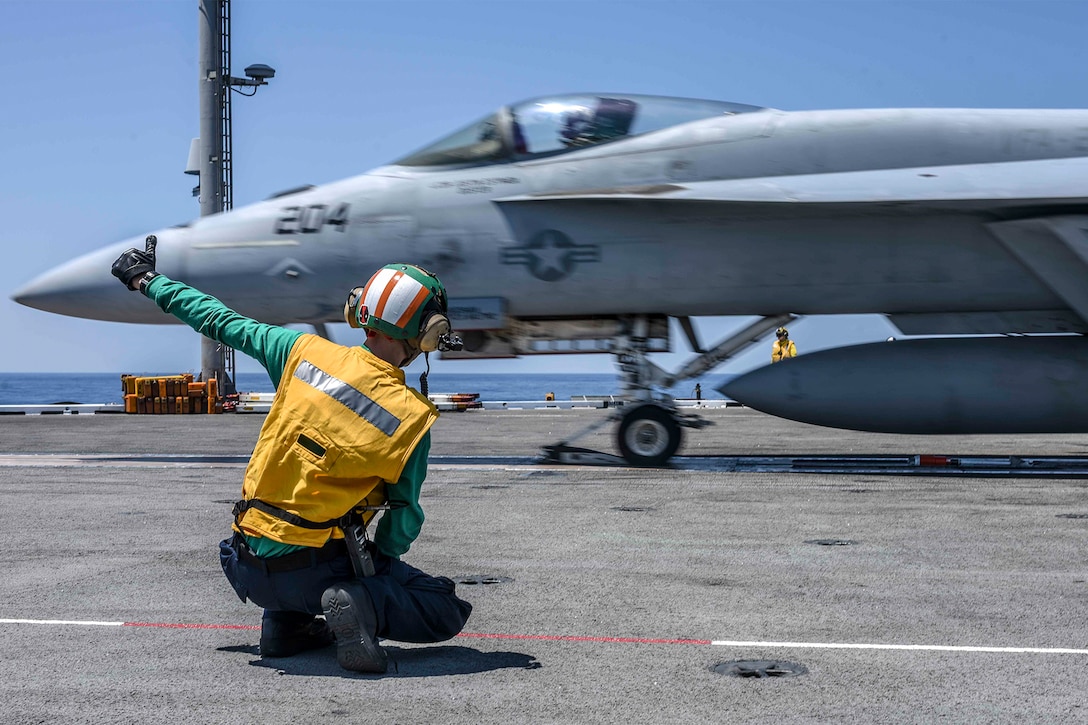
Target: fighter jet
(584, 222)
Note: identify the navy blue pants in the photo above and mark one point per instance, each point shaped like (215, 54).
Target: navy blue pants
(412, 606)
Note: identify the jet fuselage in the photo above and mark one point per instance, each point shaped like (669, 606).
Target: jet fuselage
(805, 212)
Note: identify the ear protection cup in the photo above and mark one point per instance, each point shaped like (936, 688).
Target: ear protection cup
(355, 315)
(431, 329)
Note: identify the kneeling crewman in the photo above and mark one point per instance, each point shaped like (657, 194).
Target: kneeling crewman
(344, 439)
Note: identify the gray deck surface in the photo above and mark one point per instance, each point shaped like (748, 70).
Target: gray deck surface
(621, 580)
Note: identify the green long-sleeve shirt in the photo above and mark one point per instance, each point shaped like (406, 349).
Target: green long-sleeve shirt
(270, 345)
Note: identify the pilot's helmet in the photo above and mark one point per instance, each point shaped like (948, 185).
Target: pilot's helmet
(577, 123)
(403, 301)
(782, 332)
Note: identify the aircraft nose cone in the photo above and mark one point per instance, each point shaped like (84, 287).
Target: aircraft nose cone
(85, 287)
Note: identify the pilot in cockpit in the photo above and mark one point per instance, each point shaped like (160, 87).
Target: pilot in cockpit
(610, 121)
(577, 128)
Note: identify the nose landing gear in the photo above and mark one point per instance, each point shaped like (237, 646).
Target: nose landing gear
(650, 426)
(648, 435)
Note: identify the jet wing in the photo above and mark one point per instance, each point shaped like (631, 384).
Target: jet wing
(968, 187)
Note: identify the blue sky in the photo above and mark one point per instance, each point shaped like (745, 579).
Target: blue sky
(101, 103)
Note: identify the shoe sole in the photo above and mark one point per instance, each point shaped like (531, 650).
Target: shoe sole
(356, 649)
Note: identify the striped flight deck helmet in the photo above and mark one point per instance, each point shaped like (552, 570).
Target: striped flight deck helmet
(405, 302)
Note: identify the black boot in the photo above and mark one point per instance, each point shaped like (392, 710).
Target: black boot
(287, 633)
(350, 613)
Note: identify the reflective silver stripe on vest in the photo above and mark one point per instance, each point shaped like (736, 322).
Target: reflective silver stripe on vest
(355, 401)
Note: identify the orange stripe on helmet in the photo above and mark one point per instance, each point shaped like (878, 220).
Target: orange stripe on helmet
(418, 300)
(384, 298)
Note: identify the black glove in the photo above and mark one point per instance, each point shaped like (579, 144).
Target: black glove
(135, 268)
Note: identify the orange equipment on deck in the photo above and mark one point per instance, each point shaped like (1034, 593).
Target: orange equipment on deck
(170, 394)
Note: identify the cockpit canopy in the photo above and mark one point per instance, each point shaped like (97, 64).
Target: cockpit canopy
(559, 124)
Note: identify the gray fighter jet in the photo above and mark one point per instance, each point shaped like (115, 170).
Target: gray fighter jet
(582, 223)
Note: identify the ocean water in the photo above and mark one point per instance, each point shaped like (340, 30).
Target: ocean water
(97, 388)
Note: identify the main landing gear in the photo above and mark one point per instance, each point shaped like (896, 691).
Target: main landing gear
(650, 426)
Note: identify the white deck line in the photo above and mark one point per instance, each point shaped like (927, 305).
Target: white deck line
(909, 647)
(84, 622)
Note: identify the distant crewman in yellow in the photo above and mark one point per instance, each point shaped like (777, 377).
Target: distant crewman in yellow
(783, 347)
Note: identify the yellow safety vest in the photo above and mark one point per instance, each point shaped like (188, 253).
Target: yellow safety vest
(781, 351)
(343, 424)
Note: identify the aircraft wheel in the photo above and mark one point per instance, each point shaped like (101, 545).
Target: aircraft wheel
(648, 436)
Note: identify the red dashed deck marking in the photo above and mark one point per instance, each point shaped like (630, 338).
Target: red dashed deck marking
(167, 625)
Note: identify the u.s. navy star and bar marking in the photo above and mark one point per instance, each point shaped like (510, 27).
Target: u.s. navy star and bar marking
(551, 255)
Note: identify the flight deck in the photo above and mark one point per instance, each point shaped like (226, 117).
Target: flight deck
(707, 591)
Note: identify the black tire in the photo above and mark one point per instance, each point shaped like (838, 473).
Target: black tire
(648, 436)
